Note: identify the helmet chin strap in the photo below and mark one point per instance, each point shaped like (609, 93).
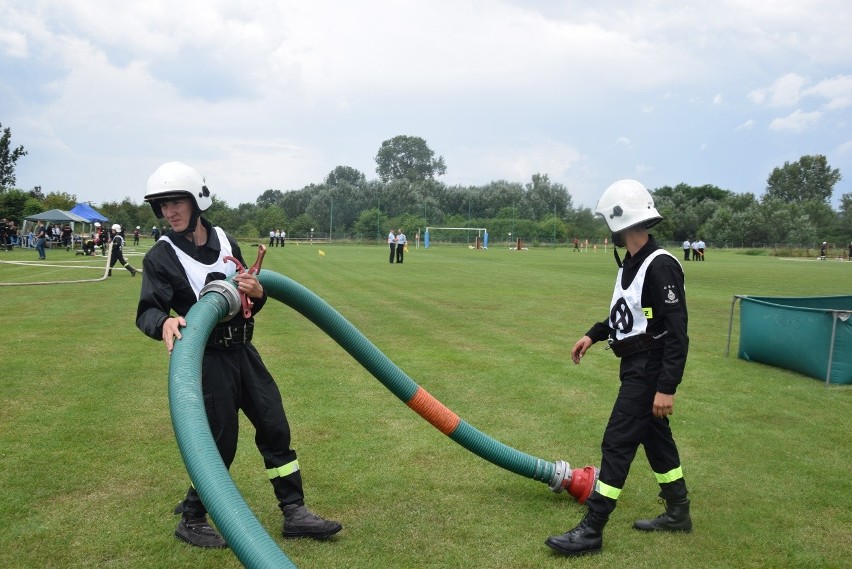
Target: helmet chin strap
(193, 224)
(617, 241)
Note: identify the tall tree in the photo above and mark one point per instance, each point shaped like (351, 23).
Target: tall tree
(811, 178)
(345, 175)
(8, 159)
(544, 197)
(408, 158)
(60, 200)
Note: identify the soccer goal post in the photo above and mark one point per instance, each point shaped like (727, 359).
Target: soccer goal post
(481, 235)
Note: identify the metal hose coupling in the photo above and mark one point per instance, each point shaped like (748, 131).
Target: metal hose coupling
(579, 482)
(229, 292)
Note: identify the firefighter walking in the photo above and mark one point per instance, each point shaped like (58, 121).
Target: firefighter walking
(647, 329)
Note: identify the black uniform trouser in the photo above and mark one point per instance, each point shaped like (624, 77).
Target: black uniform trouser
(632, 423)
(392, 251)
(400, 252)
(686, 254)
(232, 379)
(117, 257)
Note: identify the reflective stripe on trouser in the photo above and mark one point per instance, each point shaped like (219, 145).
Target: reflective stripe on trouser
(237, 379)
(607, 491)
(284, 470)
(670, 476)
(632, 424)
(287, 482)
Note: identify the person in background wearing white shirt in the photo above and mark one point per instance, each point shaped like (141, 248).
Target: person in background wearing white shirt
(392, 245)
(686, 247)
(400, 246)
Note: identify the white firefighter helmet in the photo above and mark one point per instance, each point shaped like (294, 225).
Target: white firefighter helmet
(627, 203)
(176, 180)
(116, 227)
(97, 224)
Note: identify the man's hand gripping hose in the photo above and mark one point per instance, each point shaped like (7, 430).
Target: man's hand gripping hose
(245, 301)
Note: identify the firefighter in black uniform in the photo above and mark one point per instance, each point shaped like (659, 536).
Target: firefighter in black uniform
(233, 375)
(646, 328)
(116, 254)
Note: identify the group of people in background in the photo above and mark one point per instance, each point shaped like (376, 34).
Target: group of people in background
(10, 235)
(397, 243)
(277, 237)
(694, 248)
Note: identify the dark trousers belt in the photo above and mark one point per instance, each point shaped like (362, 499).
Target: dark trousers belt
(225, 336)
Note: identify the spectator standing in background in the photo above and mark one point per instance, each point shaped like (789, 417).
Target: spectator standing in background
(400, 246)
(41, 238)
(392, 245)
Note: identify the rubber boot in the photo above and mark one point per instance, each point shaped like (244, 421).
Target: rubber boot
(674, 519)
(584, 539)
(299, 521)
(131, 269)
(109, 274)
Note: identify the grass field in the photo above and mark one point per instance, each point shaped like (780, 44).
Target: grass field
(91, 471)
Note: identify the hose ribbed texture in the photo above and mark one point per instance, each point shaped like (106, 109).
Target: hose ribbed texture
(245, 535)
(359, 347)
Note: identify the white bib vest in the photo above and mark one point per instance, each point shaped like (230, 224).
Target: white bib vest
(626, 314)
(197, 272)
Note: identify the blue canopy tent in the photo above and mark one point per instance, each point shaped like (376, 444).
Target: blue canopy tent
(88, 213)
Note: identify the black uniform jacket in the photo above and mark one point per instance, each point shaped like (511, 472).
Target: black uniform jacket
(664, 278)
(165, 286)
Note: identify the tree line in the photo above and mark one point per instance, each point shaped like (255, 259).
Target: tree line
(794, 209)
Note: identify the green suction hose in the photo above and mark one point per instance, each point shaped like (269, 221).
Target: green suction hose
(240, 528)
(359, 347)
(245, 535)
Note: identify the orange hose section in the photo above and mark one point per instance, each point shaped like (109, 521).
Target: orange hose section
(434, 411)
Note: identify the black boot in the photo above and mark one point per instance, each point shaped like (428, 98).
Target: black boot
(674, 519)
(197, 532)
(584, 539)
(299, 521)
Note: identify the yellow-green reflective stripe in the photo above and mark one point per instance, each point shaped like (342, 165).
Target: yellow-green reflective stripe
(670, 476)
(283, 470)
(610, 492)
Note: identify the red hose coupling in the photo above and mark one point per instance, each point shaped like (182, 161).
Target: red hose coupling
(579, 482)
(582, 482)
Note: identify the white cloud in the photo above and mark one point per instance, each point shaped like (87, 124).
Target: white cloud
(747, 125)
(13, 43)
(837, 91)
(796, 122)
(263, 94)
(784, 91)
(624, 142)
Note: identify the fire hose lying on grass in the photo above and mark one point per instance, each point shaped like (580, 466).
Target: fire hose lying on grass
(241, 529)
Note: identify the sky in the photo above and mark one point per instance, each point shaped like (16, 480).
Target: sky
(260, 95)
